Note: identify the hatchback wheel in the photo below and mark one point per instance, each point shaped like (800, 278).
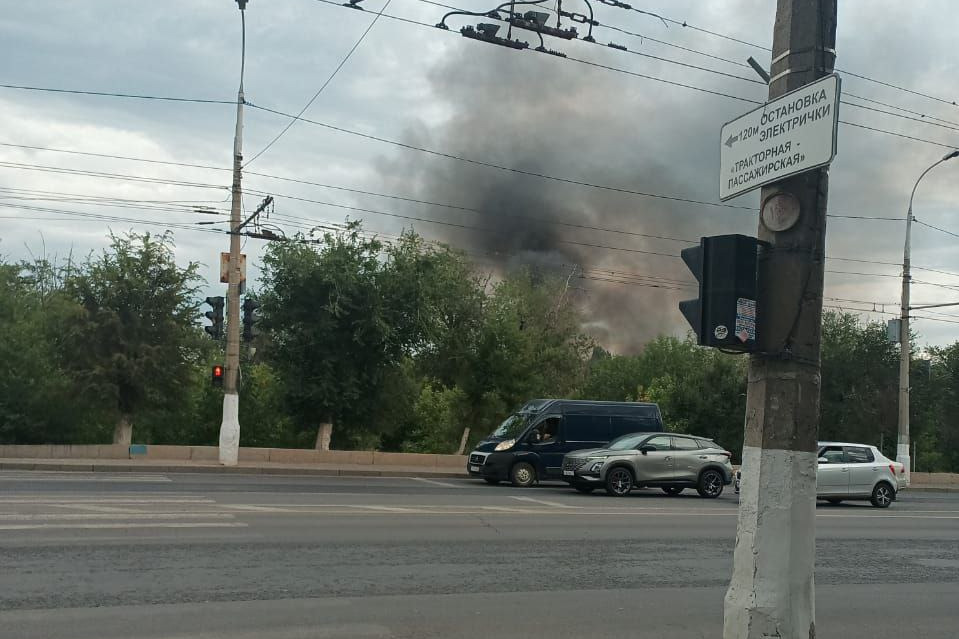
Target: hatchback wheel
(523, 475)
(710, 484)
(882, 495)
(619, 481)
(672, 490)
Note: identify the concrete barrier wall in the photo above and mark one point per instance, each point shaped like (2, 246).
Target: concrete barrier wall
(210, 453)
(290, 456)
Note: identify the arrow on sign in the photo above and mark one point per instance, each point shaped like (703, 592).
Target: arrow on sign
(731, 139)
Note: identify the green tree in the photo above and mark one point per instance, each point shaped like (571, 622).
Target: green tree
(38, 400)
(699, 390)
(337, 323)
(134, 343)
(859, 382)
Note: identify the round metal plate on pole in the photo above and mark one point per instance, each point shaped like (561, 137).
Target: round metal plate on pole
(780, 212)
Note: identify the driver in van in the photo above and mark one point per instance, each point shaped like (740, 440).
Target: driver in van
(545, 432)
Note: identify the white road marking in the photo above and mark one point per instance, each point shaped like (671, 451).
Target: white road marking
(69, 477)
(105, 500)
(89, 516)
(435, 483)
(257, 509)
(389, 509)
(554, 504)
(212, 524)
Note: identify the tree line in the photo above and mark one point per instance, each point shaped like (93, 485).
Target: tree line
(400, 346)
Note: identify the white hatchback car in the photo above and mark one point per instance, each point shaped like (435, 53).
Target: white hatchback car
(855, 472)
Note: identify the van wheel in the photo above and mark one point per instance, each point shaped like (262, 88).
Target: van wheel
(491, 481)
(522, 475)
(619, 481)
(882, 495)
(672, 491)
(710, 484)
(584, 488)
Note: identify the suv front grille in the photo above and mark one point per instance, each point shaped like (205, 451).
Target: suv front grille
(573, 463)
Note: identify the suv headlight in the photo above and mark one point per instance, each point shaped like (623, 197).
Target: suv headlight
(596, 464)
(509, 443)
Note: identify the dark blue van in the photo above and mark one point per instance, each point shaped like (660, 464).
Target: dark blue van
(530, 444)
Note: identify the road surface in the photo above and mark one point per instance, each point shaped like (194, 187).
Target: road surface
(213, 556)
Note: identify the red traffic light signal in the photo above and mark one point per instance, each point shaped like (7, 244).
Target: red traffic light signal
(217, 375)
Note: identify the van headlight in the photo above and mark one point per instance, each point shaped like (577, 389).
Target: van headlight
(509, 443)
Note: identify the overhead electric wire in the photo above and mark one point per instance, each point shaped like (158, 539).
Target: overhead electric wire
(108, 175)
(413, 200)
(322, 86)
(110, 94)
(845, 71)
(935, 228)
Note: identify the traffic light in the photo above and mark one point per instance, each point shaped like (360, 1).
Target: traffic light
(217, 376)
(215, 330)
(724, 315)
(249, 318)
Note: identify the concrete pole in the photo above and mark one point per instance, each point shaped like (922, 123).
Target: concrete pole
(905, 348)
(905, 354)
(771, 593)
(230, 426)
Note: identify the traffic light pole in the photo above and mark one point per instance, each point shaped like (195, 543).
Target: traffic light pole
(771, 593)
(230, 426)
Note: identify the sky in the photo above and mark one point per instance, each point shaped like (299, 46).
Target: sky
(590, 117)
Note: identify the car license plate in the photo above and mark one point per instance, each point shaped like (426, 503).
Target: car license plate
(474, 469)
(568, 473)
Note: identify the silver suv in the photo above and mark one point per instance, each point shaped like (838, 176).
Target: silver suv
(669, 461)
(855, 472)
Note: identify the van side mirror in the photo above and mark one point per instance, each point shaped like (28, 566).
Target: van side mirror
(645, 448)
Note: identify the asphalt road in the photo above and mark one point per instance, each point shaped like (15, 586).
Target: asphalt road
(214, 556)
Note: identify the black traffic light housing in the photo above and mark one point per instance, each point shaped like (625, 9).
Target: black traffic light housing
(249, 318)
(216, 375)
(724, 315)
(215, 330)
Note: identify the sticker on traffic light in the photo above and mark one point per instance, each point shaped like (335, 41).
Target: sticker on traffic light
(724, 314)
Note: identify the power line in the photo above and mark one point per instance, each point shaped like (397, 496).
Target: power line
(322, 86)
(505, 168)
(115, 157)
(765, 48)
(108, 175)
(400, 198)
(935, 228)
(164, 98)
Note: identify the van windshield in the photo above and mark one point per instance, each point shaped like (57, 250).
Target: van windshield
(627, 442)
(513, 427)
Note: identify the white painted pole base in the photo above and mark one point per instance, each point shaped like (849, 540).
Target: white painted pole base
(771, 593)
(902, 456)
(230, 430)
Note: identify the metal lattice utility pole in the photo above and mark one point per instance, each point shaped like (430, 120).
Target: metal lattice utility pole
(230, 426)
(905, 353)
(771, 593)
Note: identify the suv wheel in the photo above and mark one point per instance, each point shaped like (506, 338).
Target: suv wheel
(882, 495)
(672, 491)
(522, 475)
(710, 484)
(619, 481)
